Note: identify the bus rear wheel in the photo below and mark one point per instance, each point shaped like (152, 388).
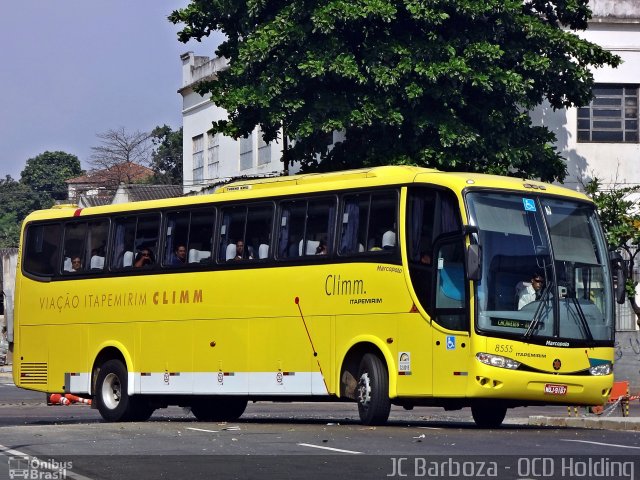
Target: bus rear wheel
(112, 394)
(488, 414)
(372, 392)
(218, 409)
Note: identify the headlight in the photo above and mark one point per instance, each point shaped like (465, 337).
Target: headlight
(497, 361)
(604, 369)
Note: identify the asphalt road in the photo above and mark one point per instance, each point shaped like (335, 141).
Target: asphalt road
(299, 440)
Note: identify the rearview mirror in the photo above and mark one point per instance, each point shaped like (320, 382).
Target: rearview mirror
(474, 262)
(618, 270)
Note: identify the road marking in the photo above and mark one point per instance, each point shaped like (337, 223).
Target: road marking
(41, 464)
(226, 429)
(603, 444)
(328, 448)
(431, 428)
(4, 449)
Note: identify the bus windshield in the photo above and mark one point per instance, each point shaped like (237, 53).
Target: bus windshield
(545, 274)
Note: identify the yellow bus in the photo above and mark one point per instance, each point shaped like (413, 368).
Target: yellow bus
(389, 285)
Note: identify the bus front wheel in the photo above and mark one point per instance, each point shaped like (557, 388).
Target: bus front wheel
(372, 392)
(488, 414)
(112, 397)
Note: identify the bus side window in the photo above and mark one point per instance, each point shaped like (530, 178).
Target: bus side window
(291, 228)
(176, 235)
(74, 260)
(200, 241)
(382, 233)
(232, 230)
(132, 235)
(319, 228)
(96, 244)
(124, 236)
(355, 219)
(243, 231)
(147, 235)
(368, 223)
(41, 251)
(258, 232)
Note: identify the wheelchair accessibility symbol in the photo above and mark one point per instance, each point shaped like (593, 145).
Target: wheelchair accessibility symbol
(529, 204)
(451, 342)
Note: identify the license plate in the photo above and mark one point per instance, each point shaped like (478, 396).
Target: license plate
(554, 389)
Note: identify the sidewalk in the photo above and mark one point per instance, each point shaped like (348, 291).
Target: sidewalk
(6, 371)
(594, 422)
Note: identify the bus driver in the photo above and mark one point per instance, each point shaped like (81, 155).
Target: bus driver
(528, 292)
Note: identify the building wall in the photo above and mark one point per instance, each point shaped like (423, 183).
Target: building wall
(198, 113)
(9, 259)
(627, 359)
(616, 27)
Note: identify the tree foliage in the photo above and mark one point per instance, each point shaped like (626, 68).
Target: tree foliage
(46, 173)
(166, 159)
(620, 218)
(441, 84)
(17, 200)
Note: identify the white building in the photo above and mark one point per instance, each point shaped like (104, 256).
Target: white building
(601, 140)
(208, 158)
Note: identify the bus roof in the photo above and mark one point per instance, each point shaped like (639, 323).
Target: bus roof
(319, 182)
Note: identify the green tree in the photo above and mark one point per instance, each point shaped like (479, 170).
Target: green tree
(166, 158)
(620, 219)
(46, 173)
(17, 200)
(441, 83)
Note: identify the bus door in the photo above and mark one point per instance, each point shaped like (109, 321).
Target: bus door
(450, 341)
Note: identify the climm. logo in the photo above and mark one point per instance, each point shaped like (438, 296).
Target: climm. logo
(334, 285)
(172, 297)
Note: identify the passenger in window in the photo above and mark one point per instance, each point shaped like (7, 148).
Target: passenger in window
(76, 263)
(322, 248)
(242, 253)
(527, 292)
(144, 258)
(425, 258)
(179, 255)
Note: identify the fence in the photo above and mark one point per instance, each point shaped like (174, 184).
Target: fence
(625, 317)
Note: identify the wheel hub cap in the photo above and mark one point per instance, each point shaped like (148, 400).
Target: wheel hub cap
(364, 390)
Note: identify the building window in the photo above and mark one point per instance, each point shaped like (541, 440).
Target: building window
(246, 152)
(213, 155)
(264, 150)
(612, 115)
(198, 158)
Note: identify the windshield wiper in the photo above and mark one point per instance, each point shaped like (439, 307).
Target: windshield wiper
(537, 315)
(584, 324)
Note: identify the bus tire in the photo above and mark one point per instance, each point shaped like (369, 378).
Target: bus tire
(220, 409)
(372, 392)
(488, 414)
(112, 397)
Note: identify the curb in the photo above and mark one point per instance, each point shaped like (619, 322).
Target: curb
(615, 423)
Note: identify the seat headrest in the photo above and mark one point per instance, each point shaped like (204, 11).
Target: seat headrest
(389, 239)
